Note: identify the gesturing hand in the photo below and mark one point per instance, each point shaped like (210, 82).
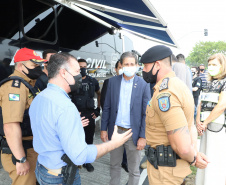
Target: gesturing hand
(120, 139)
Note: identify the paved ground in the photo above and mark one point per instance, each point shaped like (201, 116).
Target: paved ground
(100, 176)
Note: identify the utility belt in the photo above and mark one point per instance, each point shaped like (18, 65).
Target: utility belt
(161, 156)
(4, 147)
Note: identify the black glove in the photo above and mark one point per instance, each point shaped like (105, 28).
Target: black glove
(97, 111)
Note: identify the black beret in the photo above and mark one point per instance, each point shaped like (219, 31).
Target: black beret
(155, 53)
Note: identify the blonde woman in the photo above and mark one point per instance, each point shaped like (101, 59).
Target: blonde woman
(211, 123)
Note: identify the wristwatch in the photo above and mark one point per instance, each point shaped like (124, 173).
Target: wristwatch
(191, 163)
(22, 160)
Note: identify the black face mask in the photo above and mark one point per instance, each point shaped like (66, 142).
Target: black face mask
(83, 72)
(33, 73)
(78, 82)
(149, 77)
(202, 70)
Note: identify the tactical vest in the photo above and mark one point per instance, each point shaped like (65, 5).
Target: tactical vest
(83, 97)
(25, 125)
(209, 99)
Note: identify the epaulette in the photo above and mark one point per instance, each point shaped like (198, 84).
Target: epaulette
(164, 84)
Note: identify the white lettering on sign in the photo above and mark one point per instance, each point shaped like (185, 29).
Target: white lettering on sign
(95, 63)
(97, 75)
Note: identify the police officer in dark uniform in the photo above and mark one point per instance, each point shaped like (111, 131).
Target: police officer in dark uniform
(83, 98)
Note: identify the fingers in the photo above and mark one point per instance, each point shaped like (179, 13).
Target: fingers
(93, 116)
(20, 173)
(104, 136)
(128, 134)
(201, 161)
(204, 157)
(140, 147)
(201, 165)
(104, 139)
(116, 129)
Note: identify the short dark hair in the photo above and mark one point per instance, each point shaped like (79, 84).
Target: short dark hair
(174, 58)
(180, 57)
(202, 65)
(116, 64)
(45, 52)
(128, 54)
(56, 62)
(82, 60)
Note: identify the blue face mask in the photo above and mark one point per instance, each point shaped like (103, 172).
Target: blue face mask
(129, 71)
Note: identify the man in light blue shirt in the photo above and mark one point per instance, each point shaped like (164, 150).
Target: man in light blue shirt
(57, 127)
(123, 118)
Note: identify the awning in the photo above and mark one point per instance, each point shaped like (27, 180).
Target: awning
(138, 17)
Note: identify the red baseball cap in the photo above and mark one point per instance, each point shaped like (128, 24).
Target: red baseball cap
(25, 54)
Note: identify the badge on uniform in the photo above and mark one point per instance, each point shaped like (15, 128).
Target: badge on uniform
(16, 83)
(164, 101)
(14, 97)
(164, 84)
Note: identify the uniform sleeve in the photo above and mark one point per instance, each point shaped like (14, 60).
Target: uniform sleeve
(170, 111)
(198, 83)
(13, 102)
(72, 137)
(97, 87)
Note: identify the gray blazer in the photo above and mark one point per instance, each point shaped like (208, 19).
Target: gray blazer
(139, 99)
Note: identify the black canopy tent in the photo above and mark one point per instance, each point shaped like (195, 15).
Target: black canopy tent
(79, 22)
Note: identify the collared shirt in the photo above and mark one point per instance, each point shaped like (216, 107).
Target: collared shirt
(15, 98)
(171, 107)
(57, 129)
(123, 117)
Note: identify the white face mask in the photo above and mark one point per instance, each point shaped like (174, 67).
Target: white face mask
(120, 71)
(214, 70)
(129, 71)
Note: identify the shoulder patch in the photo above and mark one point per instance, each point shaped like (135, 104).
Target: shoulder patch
(164, 84)
(14, 97)
(164, 101)
(16, 83)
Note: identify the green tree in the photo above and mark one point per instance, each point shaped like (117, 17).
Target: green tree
(203, 50)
